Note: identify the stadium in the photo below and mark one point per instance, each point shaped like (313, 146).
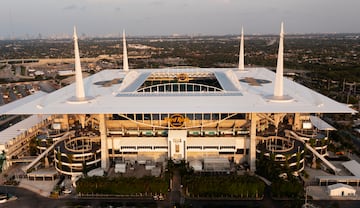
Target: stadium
(214, 118)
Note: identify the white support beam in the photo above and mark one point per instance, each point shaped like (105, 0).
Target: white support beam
(104, 146)
(252, 158)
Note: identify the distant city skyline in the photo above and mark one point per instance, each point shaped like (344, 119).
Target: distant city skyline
(46, 18)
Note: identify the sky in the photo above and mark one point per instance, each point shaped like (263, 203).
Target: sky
(32, 18)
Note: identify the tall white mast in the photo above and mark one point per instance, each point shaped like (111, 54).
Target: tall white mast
(278, 95)
(241, 53)
(125, 56)
(80, 93)
(79, 83)
(278, 90)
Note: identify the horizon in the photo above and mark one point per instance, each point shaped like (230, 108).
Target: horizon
(119, 35)
(20, 18)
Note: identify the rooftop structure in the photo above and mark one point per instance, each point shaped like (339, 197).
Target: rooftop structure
(340, 189)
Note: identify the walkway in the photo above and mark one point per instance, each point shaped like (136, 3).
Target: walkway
(175, 194)
(65, 136)
(322, 158)
(42, 188)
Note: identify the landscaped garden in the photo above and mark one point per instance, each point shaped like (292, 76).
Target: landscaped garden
(243, 186)
(122, 185)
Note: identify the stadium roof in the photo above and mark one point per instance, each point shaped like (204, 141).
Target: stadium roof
(320, 124)
(117, 91)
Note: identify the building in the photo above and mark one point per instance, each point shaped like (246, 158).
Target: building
(194, 114)
(340, 189)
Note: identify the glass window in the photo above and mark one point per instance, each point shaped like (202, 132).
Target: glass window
(163, 116)
(161, 88)
(215, 116)
(190, 116)
(155, 116)
(190, 88)
(147, 117)
(139, 117)
(182, 87)
(168, 88)
(224, 115)
(175, 88)
(239, 116)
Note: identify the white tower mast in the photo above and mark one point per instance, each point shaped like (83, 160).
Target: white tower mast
(80, 93)
(79, 83)
(125, 56)
(241, 53)
(278, 95)
(278, 90)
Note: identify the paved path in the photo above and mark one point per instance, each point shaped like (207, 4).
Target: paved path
(175, 194)
(42, 188)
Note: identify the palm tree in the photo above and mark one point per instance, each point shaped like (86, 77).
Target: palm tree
(70, 158)
(58, 155)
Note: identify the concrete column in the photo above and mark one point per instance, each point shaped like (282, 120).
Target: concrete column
(65, 121)
(276, 121)
(297, 122)
(252, 155)
(104, 146)
(177, 143)
(47, 162)
(82, 120)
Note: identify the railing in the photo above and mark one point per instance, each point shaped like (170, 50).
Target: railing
(179, 87)
(271, 145)
(138, 195)
(85, 146)
(318, 155)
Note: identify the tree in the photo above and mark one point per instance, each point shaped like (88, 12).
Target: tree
(70, 159)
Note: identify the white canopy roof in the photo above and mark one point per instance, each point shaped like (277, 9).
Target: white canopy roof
(321, 124)
(340, 185)
(353, 167)
(20, 128)
(122, 97)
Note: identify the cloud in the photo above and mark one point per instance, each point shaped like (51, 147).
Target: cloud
(70, 7)
(108, 1)
(74, 7)
(156, 3)
(222, 1)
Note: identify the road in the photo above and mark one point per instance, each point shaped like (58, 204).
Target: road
(28, 199)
